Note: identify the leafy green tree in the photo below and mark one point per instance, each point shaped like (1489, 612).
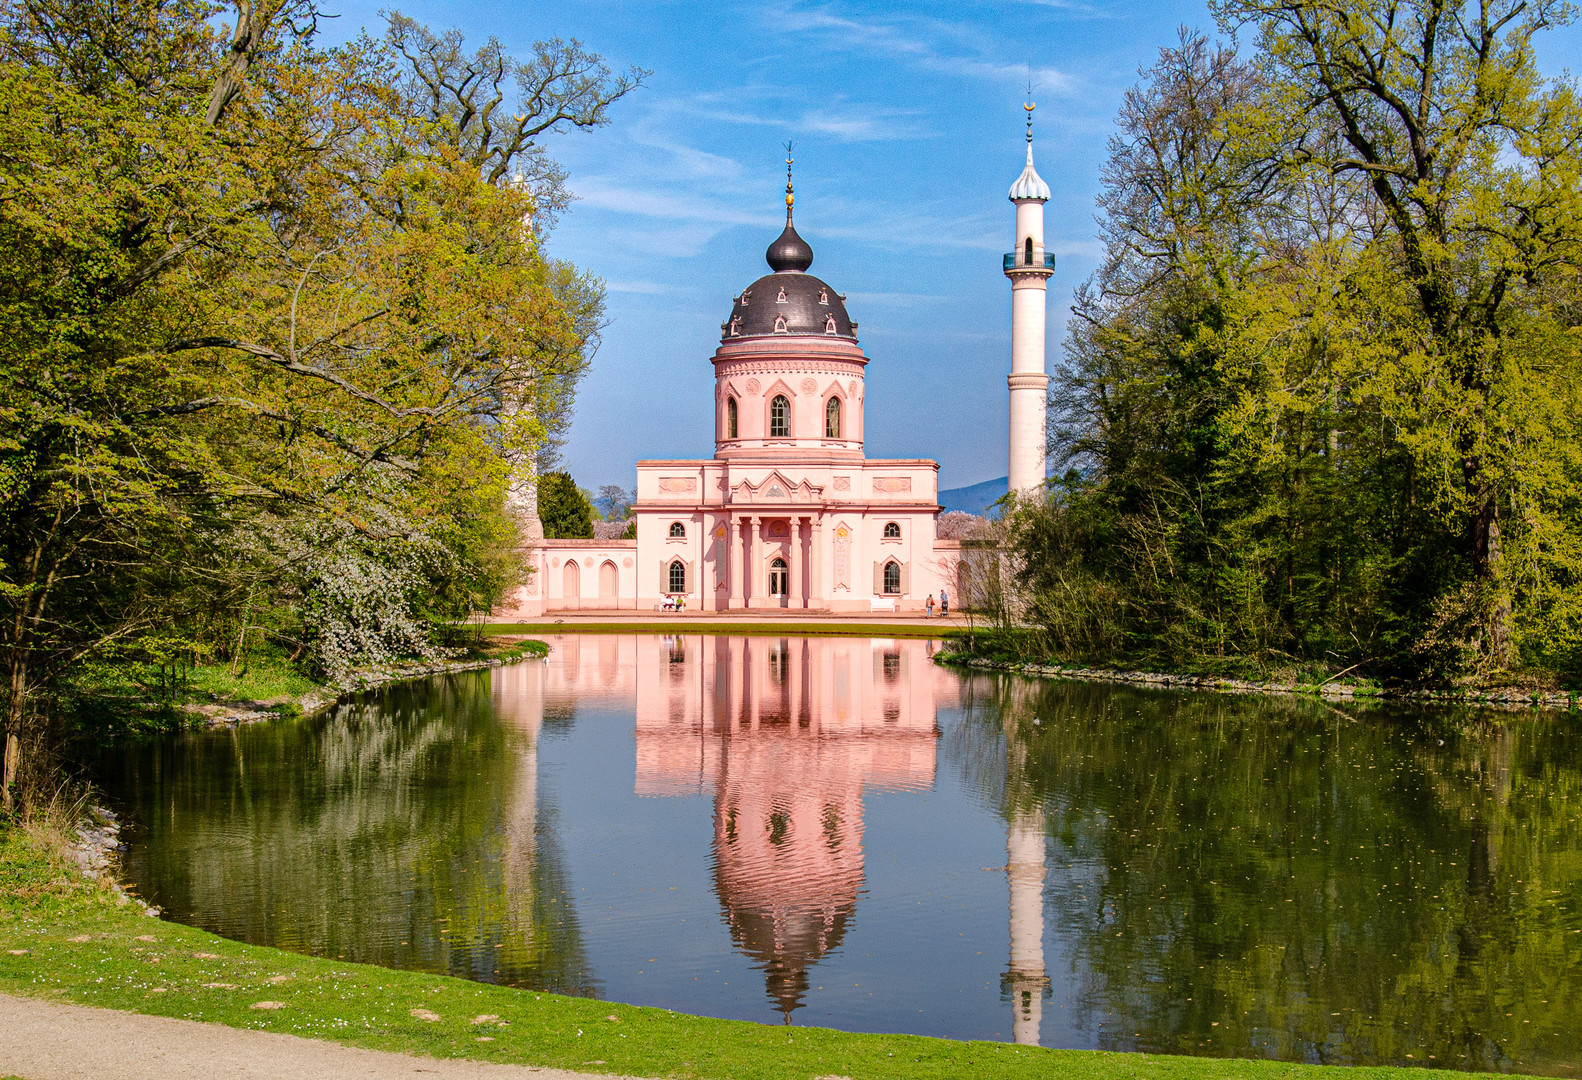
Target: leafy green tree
(1320, 402)
(254, 299)
(564, 508)
(1465, 180)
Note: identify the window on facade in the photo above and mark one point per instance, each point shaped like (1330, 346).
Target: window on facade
(1029, 252)
(678, 577)
(892, 531)
(730, 418)
(832, 418)
(777, 578)
(780, 418)
(892, 579)
(679, 530)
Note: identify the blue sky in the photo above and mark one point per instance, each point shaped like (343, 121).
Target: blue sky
(908, 129)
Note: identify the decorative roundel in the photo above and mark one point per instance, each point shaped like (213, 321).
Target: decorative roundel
(555, 561)
(627, 562)
(809, 386)
(587, 560)
(752, 386)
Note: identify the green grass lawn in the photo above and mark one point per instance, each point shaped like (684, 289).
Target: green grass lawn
(259, 680)
(67, 939)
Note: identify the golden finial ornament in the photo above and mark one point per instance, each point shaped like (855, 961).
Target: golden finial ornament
(790, 195)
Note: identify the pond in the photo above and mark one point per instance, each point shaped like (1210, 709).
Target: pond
(839, 832)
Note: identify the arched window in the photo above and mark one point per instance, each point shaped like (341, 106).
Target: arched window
(780, 418)
(832, 418)
(892, 531)
(730, 418)
(892, 579)
(678, 576)
(678, 531)
(1029, 252)
(777, 577)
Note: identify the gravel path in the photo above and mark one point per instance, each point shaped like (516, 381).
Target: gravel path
(46, 1040)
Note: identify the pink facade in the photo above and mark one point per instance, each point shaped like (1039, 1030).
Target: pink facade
(789, 512)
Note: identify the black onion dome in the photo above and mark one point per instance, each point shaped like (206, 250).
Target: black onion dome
(788, 302)
(789, 251)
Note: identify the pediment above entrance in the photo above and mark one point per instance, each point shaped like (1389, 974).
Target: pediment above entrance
(776, 488)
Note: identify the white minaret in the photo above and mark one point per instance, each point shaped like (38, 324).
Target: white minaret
(1029, 269)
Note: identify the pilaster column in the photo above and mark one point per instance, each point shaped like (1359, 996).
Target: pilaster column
(733, 543)
(795, 599)
(815, 562)
(751, 690)
(794, 669)
(750, 570)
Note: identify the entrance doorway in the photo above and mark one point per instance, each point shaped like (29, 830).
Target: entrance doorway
(779, 581)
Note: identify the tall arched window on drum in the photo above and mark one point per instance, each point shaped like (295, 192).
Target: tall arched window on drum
(780, 418)
(832, 418)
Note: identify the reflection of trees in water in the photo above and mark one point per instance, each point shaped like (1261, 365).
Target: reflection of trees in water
(1232, 872)
(376, 834)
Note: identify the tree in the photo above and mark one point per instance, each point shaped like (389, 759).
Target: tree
(1279, 454)
(564, 508)
(253, 308)
(1436, 112)
(614, 502)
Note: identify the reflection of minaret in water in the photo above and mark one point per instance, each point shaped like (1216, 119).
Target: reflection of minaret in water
(1025, 980)
(518, 693)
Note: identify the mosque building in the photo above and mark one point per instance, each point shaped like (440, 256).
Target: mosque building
(790, 512)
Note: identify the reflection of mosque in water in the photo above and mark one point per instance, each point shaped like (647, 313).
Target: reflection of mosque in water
(787, 735)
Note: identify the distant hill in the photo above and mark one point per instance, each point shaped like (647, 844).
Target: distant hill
(975, 499)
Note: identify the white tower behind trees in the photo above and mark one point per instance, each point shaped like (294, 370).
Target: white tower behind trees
(1029, 268)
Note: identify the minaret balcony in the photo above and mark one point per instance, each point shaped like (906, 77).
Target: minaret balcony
(1041, 264)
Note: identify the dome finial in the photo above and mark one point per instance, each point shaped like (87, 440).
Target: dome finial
(790, 252)
(790, 194)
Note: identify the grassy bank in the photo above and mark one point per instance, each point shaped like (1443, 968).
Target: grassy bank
(1021, 652)
(111, 700)
(65, 938)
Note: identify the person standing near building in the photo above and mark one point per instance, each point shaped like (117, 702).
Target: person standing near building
(944, 603)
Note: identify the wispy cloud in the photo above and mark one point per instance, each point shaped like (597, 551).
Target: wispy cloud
(643, 288)
(934, 44)
(842, 120)
(1084, 11)
(616, 194)
(901, 299)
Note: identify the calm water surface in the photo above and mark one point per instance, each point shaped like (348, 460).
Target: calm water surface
(838, 832)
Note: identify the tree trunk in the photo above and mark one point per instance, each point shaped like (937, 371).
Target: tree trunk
(13, 731)
(251, 26)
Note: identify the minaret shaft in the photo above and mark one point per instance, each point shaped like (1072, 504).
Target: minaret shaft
(1029, 269)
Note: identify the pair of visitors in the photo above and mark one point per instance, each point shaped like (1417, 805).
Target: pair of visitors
(928, 607)
(944, 603)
